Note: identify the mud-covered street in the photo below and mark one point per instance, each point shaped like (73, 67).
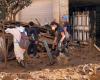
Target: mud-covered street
(82, 64)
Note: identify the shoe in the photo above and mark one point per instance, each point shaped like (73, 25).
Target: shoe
(22, 63)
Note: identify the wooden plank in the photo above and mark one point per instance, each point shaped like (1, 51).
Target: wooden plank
(48, 51)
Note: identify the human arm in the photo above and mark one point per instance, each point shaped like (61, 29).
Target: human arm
(62, 37)
(61, 40)
(55, 40)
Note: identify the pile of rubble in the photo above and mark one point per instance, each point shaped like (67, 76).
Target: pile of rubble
(81, 72)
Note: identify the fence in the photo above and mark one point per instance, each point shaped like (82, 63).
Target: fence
(81, 26)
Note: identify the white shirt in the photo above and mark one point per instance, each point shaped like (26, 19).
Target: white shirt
(15, 32)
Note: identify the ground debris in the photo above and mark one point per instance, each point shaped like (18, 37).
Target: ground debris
(73, 69)
(67, 73)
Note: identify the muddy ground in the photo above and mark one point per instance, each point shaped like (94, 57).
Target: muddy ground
(82, 64)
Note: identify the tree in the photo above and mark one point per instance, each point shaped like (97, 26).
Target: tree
(12, 7)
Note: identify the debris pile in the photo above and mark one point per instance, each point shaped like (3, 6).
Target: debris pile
(81, 72)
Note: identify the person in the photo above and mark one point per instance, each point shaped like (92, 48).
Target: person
(68, 30)
(59, 35)
(19, 52)
(33, 33)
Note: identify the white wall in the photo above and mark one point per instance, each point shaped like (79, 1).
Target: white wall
(41, 9)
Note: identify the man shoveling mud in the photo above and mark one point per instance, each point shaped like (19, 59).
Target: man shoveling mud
(59, 41)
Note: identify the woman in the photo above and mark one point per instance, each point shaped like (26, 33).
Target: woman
(68, 30)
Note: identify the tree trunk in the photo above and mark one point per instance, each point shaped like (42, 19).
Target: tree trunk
(9, 17)
(13, 17)
(4, 49)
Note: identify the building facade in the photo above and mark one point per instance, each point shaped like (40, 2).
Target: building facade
(83, 15)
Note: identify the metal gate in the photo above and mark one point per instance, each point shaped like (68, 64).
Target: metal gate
(81, 26)
(98, 26)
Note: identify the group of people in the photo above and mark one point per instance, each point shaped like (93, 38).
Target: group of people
(62, 35)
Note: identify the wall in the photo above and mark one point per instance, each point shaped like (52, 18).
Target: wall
(45, 10)
(60, 8)
(40, 9)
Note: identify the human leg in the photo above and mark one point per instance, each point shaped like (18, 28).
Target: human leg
(19, 53)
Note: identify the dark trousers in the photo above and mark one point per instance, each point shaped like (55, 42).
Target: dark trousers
(32, 49)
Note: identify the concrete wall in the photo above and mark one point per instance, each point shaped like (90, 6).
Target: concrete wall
(45, 10)
(40, 9)
(60, 8)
